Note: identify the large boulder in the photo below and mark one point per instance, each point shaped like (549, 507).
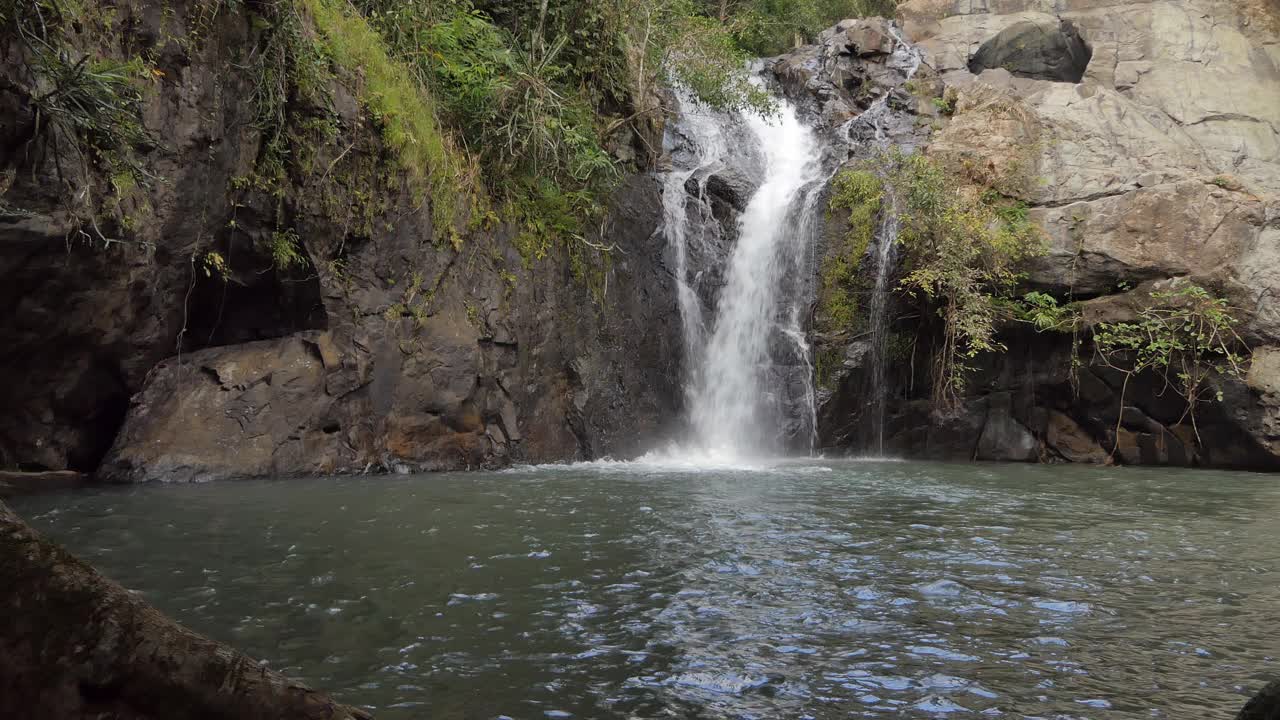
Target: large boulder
(1044, 51)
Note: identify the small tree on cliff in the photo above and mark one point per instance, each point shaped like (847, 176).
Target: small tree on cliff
(963, 246)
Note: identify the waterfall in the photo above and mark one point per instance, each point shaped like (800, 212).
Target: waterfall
(750, 375)
(906, 59)
(744, 285)
(704, 153)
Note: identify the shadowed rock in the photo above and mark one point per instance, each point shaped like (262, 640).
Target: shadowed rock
(1263, 706)
(1043, 51)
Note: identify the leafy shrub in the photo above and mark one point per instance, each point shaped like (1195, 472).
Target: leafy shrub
(860, 193)
(962, 249)
(1186, 336)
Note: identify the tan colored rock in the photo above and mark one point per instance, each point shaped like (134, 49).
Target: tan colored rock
(1264, 371)
(1187, 87)
(1071, 441)
(243, 410)
(1187, 228)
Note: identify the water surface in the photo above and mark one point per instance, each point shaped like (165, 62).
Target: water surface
(823, 589)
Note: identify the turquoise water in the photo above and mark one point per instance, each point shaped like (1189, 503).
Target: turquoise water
(820, 589)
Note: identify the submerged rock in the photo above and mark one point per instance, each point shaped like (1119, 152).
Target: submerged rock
(23, 483)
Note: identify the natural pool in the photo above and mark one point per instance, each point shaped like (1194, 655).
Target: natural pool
(817, 588)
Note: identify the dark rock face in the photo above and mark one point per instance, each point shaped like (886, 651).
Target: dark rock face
(388, 349)
(1042, 51)
(1263, 706)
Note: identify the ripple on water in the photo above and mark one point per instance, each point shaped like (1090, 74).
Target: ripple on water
(768, 590)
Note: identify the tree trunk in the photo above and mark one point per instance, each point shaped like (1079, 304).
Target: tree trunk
(75, 645)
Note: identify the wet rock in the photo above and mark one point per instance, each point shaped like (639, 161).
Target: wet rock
(28, 483)
(1071, 441)
(869, 38)
(732, 186)
(1004, 438)
(1263, 706)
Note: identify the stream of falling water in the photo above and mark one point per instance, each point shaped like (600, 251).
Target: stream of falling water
(750, 389)
(749, 370)
(705, 155)
(906, 58)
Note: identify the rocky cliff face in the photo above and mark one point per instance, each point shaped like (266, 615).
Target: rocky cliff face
(1148, 136)
(386, 347)
(1147, 133)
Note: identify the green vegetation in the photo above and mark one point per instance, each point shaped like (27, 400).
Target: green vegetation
(1186, 336)
(962, 252)
(405, 111)
(961, 247)
(858, 192)
(1045, 312)
(486, 109)
(769, 27)
(284, 250)
(86, 107)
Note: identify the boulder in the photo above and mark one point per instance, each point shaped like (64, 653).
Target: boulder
(869, 38)
(245, 410)
(1004, 438)
(1263, 706)
(1043, 51)
(1071, 441)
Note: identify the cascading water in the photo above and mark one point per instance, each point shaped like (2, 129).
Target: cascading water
(750, 373)
(745, 287)
(905, 58)
(705, 152)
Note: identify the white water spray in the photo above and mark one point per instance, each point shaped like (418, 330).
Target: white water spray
(706, 154)
(734, 409)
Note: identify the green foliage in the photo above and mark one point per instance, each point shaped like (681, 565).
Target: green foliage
(1186, 335)
(213, 263)
(962, 249)
(1046, 313)
(284, 250)
(860, 193)
(292, 76)
(93, 101)
(515, 107)
(86, 106)
(399, 104)
(770, 27)
(703, 54)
